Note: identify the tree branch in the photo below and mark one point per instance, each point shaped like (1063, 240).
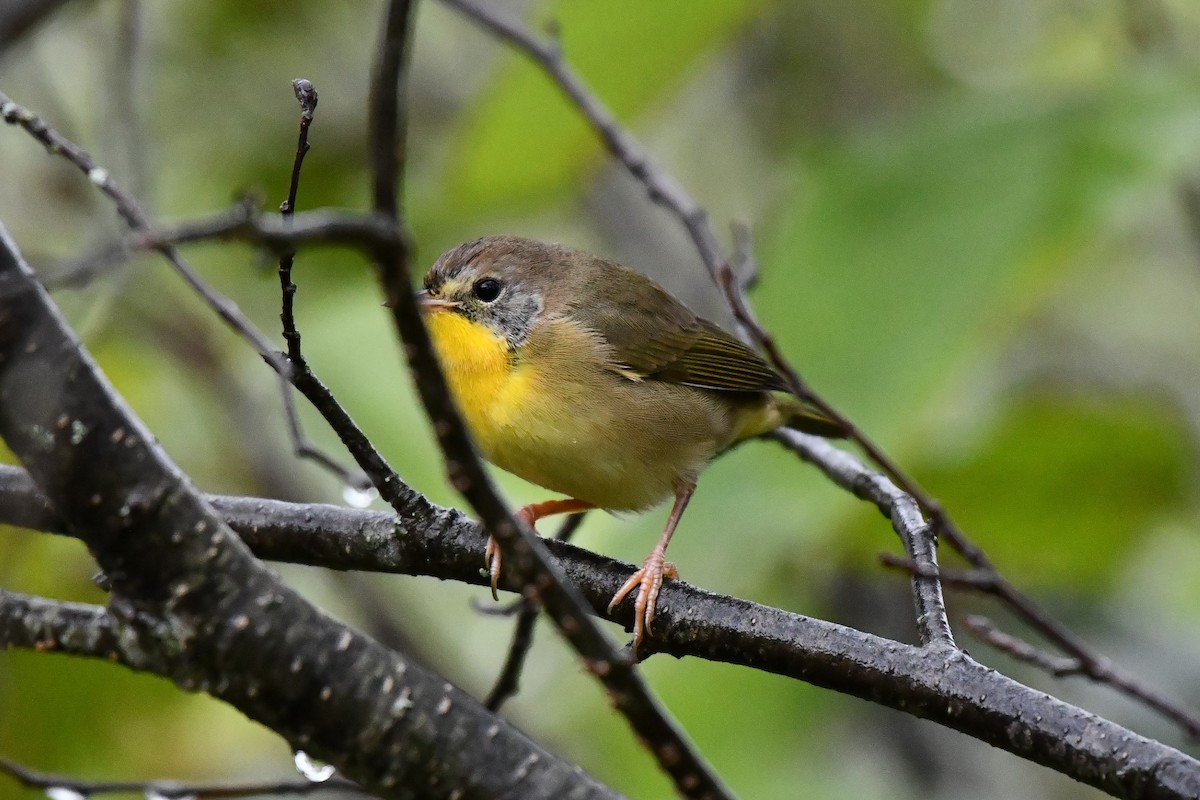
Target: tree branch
(172, 790)
(950, 689)
(18, 17)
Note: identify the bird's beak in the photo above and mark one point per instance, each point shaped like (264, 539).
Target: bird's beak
(429, 304)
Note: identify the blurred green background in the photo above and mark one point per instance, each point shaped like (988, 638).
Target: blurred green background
(978, 231)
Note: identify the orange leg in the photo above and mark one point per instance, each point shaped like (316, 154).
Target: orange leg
(529, 515)
(649, 578)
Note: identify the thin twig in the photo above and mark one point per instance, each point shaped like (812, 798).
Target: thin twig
(744, 260)
(1097, 668)
(508, 681)
(306, 94)
(986, 630)
(245, 222)
(524, 555)
(980, 580)
(45, 781)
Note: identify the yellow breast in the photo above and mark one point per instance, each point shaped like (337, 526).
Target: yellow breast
(479, 368)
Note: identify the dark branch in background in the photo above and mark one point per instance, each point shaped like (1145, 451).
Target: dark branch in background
(18, 17)
(1096, 668)
(174, 790)
(508, 682)
(125, 117)
(1103, 672)
(744, 261)
(918, 536)
(986, 630)
(524, 555)
(950, 689)
(245, 222)
(1189, 200)
(80, 271)
(387, 129)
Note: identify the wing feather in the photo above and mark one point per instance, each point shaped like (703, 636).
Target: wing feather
(656, 337)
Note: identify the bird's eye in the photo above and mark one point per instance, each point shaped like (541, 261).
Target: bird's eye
(487, 289)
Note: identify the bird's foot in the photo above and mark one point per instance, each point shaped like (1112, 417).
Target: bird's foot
(648, 581)
(492, 556)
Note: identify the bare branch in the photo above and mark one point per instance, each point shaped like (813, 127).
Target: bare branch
(34, 779)
(306, 94)
(946, 687)
(1097, 669)
(986, 630)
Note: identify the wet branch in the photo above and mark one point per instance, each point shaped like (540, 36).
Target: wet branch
(174, 790)
(947, 687)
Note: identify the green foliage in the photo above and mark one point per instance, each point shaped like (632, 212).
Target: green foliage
(933, 236)
(523, 144)
(1064, 488)
(1019, 491)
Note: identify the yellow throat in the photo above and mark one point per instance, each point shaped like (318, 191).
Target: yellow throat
(479, 369)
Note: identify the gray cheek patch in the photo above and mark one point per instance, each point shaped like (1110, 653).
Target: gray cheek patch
(513, 316)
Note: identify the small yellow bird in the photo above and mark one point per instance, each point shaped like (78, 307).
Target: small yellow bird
(589, 379)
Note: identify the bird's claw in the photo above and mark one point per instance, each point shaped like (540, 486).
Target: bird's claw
(492, 558)
(648, 581)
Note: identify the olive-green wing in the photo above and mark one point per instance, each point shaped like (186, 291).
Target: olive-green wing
(656, 337)
(716, 360)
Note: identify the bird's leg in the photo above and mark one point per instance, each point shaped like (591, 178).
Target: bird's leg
(529, 515)
(649, 578)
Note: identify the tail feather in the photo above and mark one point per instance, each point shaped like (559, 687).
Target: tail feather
(801, 416)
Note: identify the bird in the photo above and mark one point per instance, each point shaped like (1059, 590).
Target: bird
(587, 378)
